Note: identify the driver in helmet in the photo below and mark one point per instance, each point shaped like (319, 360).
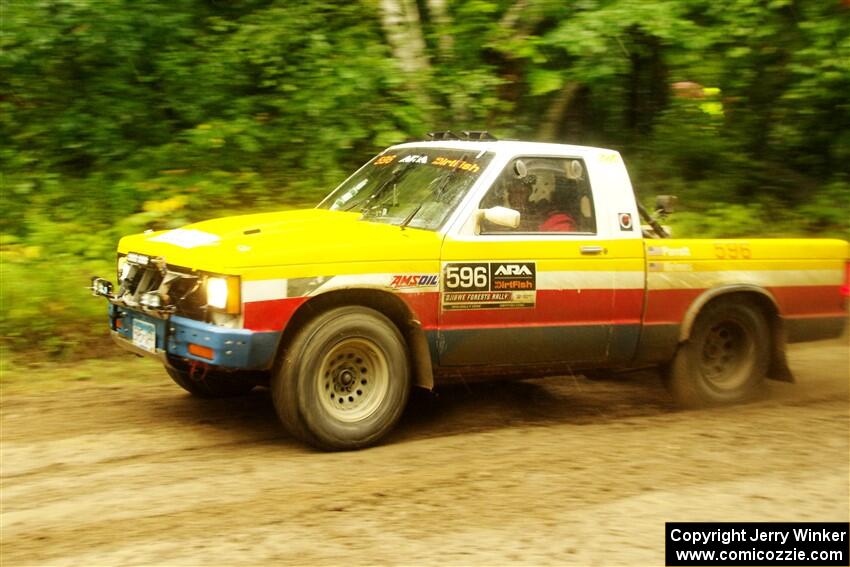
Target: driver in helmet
(518, 193)
(554, 203)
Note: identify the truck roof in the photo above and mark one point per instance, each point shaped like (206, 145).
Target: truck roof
(512, 146)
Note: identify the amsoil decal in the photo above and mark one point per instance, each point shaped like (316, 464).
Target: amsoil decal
(489, 285)
(424, 280)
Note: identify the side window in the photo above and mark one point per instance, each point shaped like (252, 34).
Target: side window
(553, 196)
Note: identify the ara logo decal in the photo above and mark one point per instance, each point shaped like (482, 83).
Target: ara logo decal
(423, 280)
(513, 276)
(414, 159)
(513, 270)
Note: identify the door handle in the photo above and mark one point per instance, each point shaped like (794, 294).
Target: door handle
(592, 250)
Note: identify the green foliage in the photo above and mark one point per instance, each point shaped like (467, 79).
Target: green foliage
(44, 299)
(727, 221)
(120, 116)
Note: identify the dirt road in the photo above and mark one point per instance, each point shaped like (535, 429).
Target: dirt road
(110, 463)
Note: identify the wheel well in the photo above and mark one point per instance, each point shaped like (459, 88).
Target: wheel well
(761, 300)
(384, 302)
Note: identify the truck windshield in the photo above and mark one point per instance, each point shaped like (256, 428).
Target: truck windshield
(425, 182)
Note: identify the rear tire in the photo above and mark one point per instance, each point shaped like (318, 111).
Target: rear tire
(213, 384)
(726, 358)
(344, 380)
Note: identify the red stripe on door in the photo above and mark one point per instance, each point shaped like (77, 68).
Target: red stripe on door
(568, 307)
(565, 307)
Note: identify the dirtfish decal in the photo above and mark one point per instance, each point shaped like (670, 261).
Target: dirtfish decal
(457, 164)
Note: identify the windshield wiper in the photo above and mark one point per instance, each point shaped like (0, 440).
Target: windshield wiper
(391, 180)
(436, 192)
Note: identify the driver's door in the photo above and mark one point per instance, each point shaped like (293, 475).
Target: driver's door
(529, 295)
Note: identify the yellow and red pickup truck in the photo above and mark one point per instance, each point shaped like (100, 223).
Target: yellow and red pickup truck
(453, 259)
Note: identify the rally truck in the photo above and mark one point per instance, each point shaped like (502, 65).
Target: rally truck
(459, 258)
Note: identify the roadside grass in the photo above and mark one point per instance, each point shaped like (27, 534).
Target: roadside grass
(47, 311)
(17, 377)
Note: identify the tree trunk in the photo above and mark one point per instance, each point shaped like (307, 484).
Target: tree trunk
(440, 19)
(551, 126)
(520, 19)
(402, 26)
(400, 20)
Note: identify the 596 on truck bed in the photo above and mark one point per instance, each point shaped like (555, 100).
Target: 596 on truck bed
(459, 258)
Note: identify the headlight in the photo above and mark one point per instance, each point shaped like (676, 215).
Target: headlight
(123, 268)
(217, 293)
(223, 293)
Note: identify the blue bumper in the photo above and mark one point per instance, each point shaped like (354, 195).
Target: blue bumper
(231, 348)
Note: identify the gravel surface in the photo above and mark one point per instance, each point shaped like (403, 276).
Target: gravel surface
(564, 471)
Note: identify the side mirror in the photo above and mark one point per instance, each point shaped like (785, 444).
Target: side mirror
(500, 216)
(665, 204)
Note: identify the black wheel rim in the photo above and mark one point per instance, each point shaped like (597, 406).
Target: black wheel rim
(725, 356)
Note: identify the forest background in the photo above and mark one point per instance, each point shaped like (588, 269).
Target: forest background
(117, 116)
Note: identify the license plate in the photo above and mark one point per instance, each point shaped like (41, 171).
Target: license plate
(144, 335)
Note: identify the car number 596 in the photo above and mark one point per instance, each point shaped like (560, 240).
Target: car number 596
(466, 276)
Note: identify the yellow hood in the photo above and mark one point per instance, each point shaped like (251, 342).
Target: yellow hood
(312, 236)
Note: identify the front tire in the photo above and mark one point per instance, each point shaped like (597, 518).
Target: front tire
(726, 358)
(344, 380)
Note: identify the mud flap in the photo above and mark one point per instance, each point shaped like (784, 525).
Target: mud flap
(779, 369)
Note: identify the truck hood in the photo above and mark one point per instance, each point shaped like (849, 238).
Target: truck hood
(312, 236)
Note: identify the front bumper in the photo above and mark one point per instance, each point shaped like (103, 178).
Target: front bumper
(235, 349)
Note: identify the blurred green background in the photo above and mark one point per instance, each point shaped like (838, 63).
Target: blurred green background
(117, 116)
